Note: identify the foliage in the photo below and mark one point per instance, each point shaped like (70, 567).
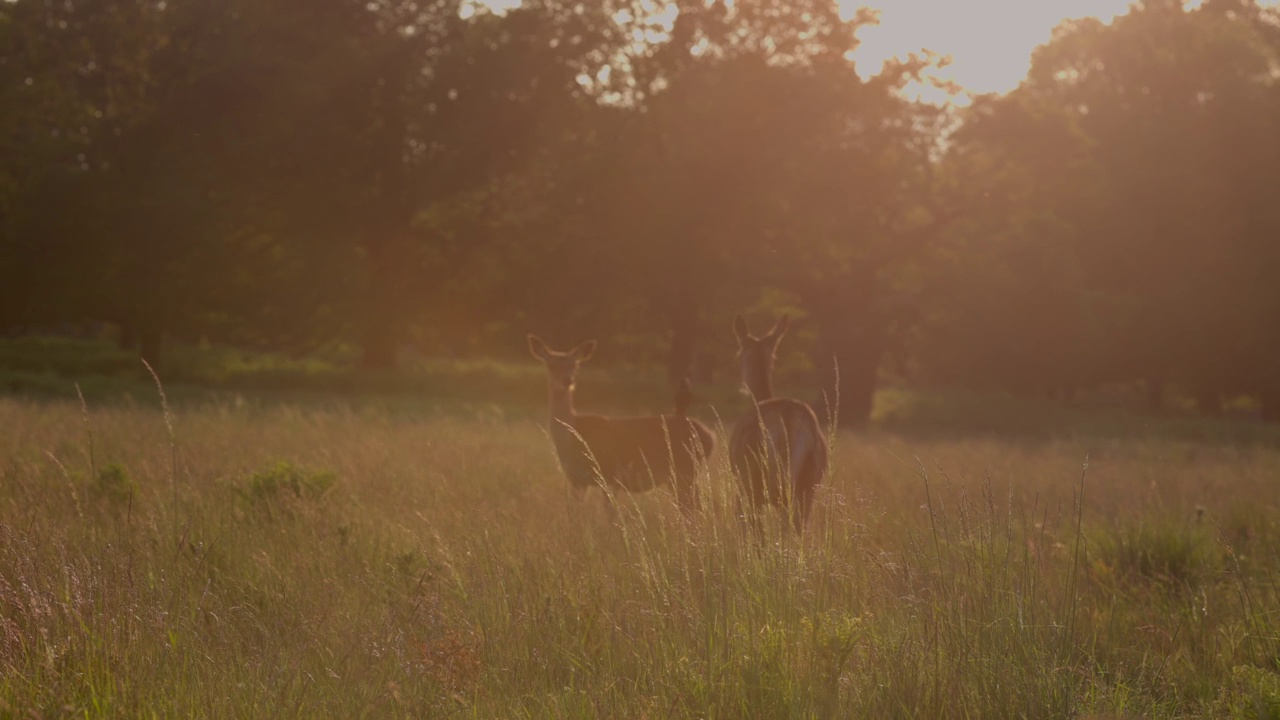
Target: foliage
(1255, 694)
(114, 485)
(290, 177)
(284, 476)
(1121, 217)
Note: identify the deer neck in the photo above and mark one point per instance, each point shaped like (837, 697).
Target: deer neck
(561, 404)
(760, 385)
(564, 434)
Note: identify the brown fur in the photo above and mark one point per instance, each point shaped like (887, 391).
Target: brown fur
(777, 449)
(621, 453)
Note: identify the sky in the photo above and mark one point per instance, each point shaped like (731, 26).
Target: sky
(990, 41)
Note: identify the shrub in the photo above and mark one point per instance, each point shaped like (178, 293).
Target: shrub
(1254, 694)
(284, 476)
(113, 484)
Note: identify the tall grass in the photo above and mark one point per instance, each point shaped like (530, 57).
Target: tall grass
(348, 562)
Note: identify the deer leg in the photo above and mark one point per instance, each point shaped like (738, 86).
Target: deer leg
(573, 498)
(611, 509)
(686, 489)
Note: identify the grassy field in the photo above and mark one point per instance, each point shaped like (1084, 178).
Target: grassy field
(238, 558)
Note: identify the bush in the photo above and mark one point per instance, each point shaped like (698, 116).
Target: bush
(1255, 694)
(113, 484)
(66, 357)
(285, 476)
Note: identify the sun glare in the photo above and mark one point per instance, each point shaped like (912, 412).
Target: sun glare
(990, 41)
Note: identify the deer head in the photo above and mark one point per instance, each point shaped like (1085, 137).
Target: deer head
(756, 356)
(562, 367)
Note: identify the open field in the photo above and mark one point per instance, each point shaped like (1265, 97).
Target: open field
(290, 291)
(241, 559)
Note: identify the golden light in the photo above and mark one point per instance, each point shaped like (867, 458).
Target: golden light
(989, 41)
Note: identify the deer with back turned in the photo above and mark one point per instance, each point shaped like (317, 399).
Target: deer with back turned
(621, 453)
(777, 450)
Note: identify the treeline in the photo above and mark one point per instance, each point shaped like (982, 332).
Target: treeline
(286, 174)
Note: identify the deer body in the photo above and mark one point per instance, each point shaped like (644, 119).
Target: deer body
(777, 450)
(630, 453)
(635, 454)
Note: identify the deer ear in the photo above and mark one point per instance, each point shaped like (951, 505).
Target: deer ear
(537, 348)
(584, 351)
(779, 329)
(740, 330)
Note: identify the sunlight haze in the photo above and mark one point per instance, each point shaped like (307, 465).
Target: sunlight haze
(990, 41)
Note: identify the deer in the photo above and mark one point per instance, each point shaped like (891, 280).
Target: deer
(777, 450)
(635, 454)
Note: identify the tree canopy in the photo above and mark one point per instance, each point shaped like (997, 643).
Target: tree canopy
(282, 174)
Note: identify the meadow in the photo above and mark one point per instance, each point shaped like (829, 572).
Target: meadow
(224, 555)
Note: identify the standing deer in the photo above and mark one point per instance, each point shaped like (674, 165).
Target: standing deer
(777, 449)
(628, 453)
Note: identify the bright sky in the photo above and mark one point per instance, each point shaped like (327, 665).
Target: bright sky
(990, 41)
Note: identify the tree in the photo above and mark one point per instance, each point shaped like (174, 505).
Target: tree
(1142, 144)
(755, 156)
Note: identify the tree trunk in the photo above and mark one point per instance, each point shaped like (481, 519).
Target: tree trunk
(853, 339)
(1155, 393)
(852, 349)
(149, 342)
(128, 335)
(383, 321)
(1270, 401)
(390, 232)
(379, 351)
(703, 371)
(1208, 401)
(1068, 391)
(684, 340)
